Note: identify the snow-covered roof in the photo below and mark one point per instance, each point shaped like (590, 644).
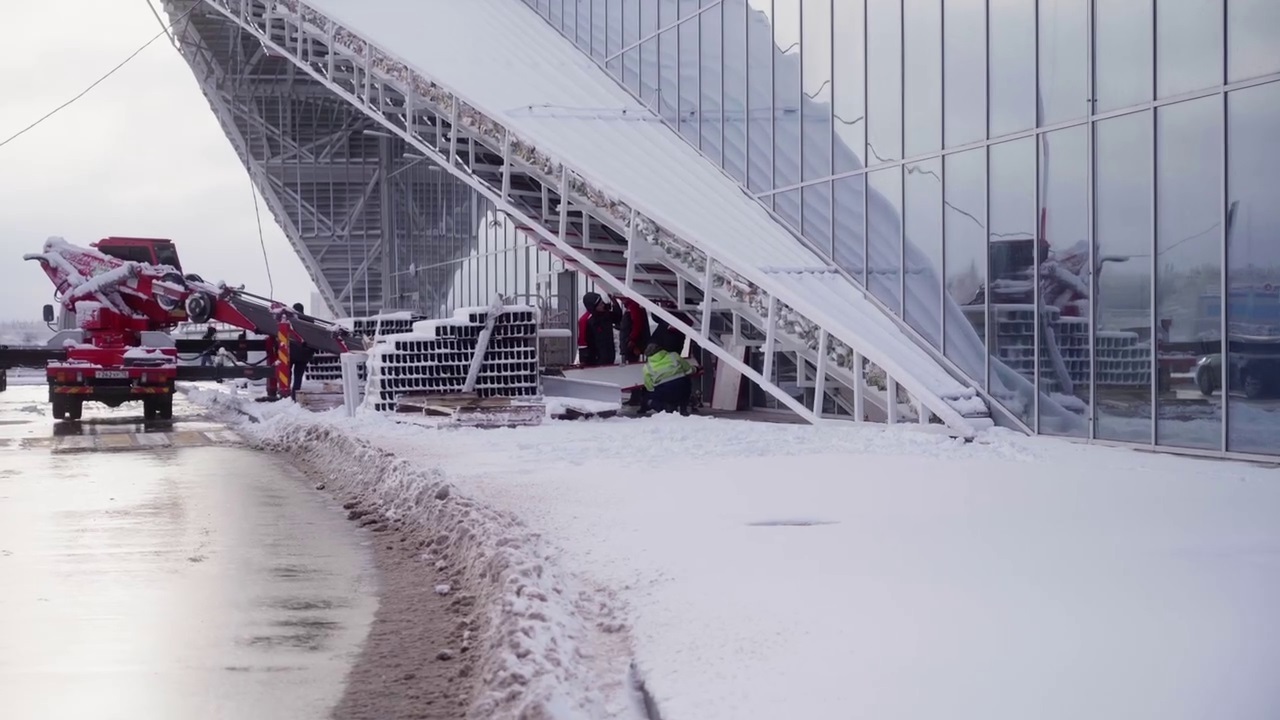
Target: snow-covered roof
(527, 76)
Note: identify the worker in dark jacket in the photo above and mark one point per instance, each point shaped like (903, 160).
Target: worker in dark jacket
(633, 331)
(596, 345)
(299, 356)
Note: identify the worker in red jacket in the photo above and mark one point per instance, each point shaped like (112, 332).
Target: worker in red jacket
(633, 331)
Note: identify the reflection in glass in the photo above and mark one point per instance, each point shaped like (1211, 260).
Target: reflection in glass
(884, 236)
(815, 49)
(734, 69)
(786, 93)
(1122, 258)
(1122, 47)
(850, 248)
(922, 75)
(1012, 252)
(1253, 38)
(924, 231)
(630, 36)
(964, 54)
(1188, 45)
(964, 227)
(760, 94)
(649, 54)
(1011, 69)
(1253, 272)
(710, 71)
(1064, 70)
(688, 85)
(1188, 268)
(668, 99)
(787, 206)
(1065, 274)
(847, 90)
(884, 81)
(817, 215)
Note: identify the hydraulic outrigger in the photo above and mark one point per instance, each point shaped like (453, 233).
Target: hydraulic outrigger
(125, 295)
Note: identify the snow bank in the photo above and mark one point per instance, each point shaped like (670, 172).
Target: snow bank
(778, 571)
(549, 646)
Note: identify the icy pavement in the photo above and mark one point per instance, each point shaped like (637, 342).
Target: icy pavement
(770, 571)
(189, 581)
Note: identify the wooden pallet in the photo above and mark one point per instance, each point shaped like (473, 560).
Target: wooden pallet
(472, 410)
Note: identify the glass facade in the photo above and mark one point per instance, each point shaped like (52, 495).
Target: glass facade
(1076, 202)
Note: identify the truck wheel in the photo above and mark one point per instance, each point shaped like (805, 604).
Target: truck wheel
(59, 406)
(165, 407)
(149, 409)
(75, 408)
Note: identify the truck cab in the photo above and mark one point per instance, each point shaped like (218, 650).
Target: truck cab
(155, 251)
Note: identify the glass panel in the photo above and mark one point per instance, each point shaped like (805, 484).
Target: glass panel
(787, 205)
(923, 303)
(1253, 38)
(609, 15)
(760, 101)
(1064, 281)
(631, 72)
(649, 54)
(884, 81)
(922, 75)
(1253, 270)
(630, 36)
(817, 215)
(1011, 70)
(690, 80)
(1188, 46)
(815, 48)
(884, 236)
(1064, 57)
(710, 69)
(555, 13)
(1122, 256)
(965, 58)
(786, 93)
(850, 250)
(734, 65)
(1188, 268)
(1123, 53)
(1011, 198)
(668, 100)
(963, 217)
(848, 89)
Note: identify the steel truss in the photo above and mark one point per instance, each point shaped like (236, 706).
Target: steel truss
(350, 205)
(602, 236)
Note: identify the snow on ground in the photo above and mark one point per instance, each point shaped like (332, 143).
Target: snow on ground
(770, 571)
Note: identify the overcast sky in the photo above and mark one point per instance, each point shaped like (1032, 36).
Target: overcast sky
(141, 154)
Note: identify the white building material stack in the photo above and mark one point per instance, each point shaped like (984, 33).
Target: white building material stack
(435, 357)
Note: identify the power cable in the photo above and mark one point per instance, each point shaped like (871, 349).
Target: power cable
(95, 83)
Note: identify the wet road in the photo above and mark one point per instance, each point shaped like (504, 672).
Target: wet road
(163, 572)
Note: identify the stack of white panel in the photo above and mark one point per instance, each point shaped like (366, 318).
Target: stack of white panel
(436, 357)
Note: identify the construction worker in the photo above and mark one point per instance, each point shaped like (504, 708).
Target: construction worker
(596, 345)
(299, 356)
(667, 384)
(633, 331)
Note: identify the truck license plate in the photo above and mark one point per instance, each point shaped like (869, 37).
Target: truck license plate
(112, 374)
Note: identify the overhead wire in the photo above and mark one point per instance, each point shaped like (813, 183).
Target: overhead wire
(253, 190)
(97, 82)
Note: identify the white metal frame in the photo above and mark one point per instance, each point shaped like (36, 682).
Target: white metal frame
(372, 80)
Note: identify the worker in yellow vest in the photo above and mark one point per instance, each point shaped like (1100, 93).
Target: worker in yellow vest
(667, 384)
